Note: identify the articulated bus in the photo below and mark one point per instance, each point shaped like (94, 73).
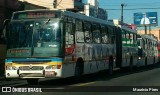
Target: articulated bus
(60, 44)
(147, 49)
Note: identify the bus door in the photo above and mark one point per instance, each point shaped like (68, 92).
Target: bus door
(118, 47)
(69, 39)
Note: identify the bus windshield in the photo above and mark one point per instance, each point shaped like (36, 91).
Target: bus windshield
(40, 38)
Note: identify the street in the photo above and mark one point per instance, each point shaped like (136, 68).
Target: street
(122, 81)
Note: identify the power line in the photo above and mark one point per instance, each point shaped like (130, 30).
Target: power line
(132, 4)
(41, 1)
(59, 3)
(135, 8)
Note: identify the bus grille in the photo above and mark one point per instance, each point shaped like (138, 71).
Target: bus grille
(31, 68)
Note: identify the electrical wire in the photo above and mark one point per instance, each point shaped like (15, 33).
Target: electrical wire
(40, 1)
(135, 9)
(59, 3)
(50, 4)
(132, 4)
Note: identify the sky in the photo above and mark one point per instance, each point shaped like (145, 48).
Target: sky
(113, 8)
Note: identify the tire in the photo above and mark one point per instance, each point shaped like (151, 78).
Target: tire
(145, 61)
(131, 64)
(110, 66)
(79, 71)
(77, 74)
(154, 61)
(32, 81)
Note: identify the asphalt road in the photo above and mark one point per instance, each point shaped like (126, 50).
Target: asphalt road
(143, 80)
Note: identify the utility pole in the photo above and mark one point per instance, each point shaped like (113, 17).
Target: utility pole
(149, 29)
(145, 29)
(55, 4)
(97, 7)
(122, 5)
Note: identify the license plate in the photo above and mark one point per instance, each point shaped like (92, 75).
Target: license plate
(49, 73)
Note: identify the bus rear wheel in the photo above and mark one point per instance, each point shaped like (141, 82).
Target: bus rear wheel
(110, 66)
(154, 61)
(146, 62)
(32, 81)
(131, 64)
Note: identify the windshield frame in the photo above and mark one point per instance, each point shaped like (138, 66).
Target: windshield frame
(36, 49)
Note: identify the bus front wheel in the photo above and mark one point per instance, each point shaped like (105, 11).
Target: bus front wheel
(79, 70)
(32, 81)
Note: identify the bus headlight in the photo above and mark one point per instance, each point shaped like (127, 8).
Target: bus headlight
(11, 68)
(139, 58)
(51, 67)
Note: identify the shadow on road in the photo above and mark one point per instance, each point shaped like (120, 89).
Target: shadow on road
(100, 76)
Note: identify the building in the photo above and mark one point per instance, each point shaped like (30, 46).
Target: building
(89, 9)
(30, 6)
(74, 5)
(155, 32)
(6, 9)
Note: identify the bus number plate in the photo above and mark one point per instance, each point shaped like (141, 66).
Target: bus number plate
(49, 73)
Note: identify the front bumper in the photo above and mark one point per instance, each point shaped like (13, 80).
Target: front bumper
(32, 73)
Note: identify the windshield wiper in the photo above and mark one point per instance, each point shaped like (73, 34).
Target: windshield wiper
(47, 21)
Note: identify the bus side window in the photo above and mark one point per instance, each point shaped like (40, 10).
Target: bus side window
(111, 36)
(135, 40)
(128, 38)
(131, 39)
(88, 33)
(143, 43)
(69, 34)
(146, 44)
(79, 32)
(123, 37)
(96, 33)
(104, 32)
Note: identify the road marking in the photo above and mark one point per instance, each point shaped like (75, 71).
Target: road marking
(83, 84)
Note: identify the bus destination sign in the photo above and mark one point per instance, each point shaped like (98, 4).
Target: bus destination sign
(37, 14)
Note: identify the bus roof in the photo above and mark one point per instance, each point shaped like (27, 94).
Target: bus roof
(151, 37)
(129, 30)
(81, 17)
(72, 14)
(88, 18)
